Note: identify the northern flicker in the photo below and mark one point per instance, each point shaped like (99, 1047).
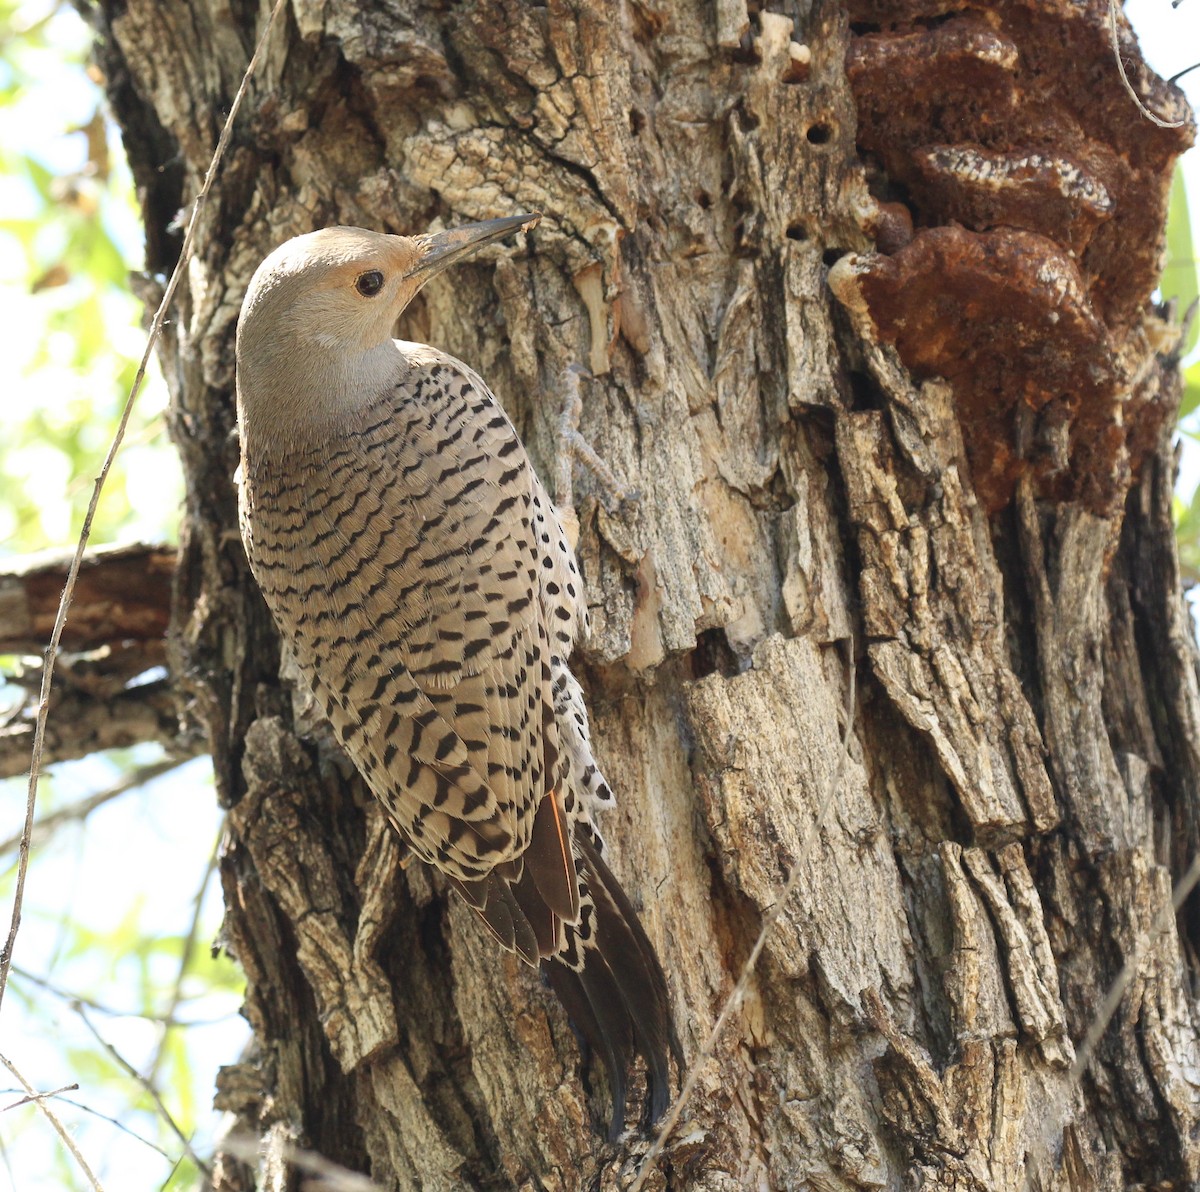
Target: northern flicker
(422, 578)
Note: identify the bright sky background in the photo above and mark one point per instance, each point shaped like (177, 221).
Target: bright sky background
(1170, 41)
(150, 849)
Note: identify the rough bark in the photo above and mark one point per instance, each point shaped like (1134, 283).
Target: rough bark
(111, 687)
(951, 450)
(121, 602)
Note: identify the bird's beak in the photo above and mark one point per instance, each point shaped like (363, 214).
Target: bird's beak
(439, 249)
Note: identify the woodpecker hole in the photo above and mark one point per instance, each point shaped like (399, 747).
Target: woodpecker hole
(797, 231)
(819, 134)
(712, 655)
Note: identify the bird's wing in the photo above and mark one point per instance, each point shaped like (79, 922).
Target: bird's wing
(401, 560)
(467, 774)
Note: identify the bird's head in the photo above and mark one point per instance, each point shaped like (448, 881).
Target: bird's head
(346, 287)
(322, 305)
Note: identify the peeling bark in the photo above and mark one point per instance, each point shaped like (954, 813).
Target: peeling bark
(111, 690)
(950, 449)
(121, 601)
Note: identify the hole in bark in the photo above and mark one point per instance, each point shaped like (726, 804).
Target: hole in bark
(703, 200)
(832, 255)
(749, 119)
(819, 134)
(636, 121)
(864, 392)
(712, 655)
(797, 231)
(747, 52)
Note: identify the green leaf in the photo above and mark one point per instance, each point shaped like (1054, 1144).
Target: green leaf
(1187, 536)
(1179, 278)
(185, 1176)
(1191, 392)
(42, 178)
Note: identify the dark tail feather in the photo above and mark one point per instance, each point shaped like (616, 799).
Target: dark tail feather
(593, 1001)
(495, 899)
(635, 967)
(548, 859)
(604, 969)
(618, 997)
(522, 901)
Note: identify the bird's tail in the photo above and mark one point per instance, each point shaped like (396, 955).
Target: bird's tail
(609, 980)
(561, 905)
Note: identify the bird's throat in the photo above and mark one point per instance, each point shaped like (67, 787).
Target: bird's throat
(312, 395)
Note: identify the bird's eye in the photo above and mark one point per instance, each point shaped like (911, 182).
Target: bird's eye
(369, 284)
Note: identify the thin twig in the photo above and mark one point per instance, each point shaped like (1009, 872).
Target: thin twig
(30, 1097)
(573, 446)
(84, 807)
(189, 946)
(54, 1120)
(1116, 991)
(112, 1121)
(104, 1117)
(68, 995)
(156, 326)
(799, 867)
(152, 1092)
(1053, 1120)
(8, 1167)
(1137, 99)
(1185, 71)
(332, 1176)
(170, 1175)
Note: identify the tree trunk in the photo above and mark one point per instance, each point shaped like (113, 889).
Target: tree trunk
(943, 457)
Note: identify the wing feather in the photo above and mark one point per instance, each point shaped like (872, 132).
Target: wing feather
(462, 724)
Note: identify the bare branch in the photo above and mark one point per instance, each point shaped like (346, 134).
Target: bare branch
(331, 1177)
(1053, 1120)
(1112, 999)
(185, 959)
(8, 1167)
(151, 1091)
(112, 1121)
(76, 812)
(1137, 99)
(123, 594)
(31, 1097)
(156, 326)
(68, 995)
(84, 724)
(60, 1129)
